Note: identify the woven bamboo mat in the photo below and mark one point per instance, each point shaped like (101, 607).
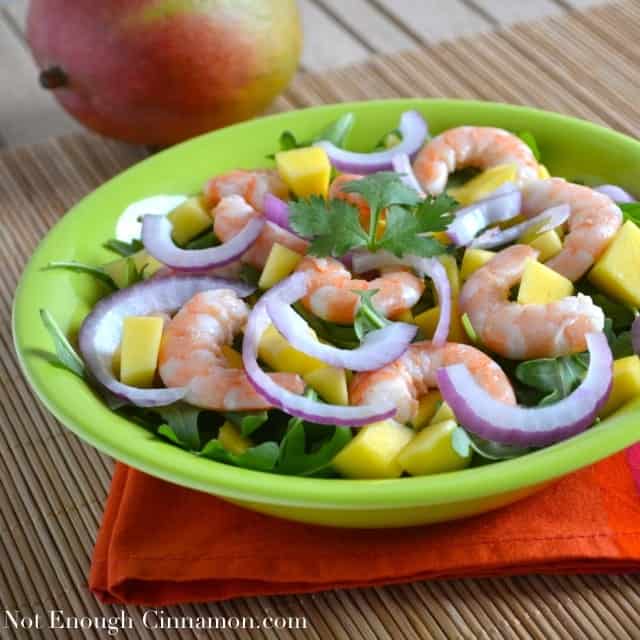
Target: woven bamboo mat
(53, 486)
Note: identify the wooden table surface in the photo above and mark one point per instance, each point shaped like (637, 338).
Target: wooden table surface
(337, 33)
(53, 486)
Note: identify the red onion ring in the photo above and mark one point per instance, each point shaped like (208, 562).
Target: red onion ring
(431, 267)
(414, 130)
(378, 348)
(401, 163)
(493, 420)
(276, 211)
(503, 204)
(547, 220)
(156, 237)
(616, 193)
(101, 332)
(288, 402)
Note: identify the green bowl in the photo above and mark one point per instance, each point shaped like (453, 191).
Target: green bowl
(570, 147)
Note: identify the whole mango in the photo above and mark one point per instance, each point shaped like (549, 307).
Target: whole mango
(160, 71)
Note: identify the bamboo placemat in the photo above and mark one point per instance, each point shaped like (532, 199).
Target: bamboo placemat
(53, 486)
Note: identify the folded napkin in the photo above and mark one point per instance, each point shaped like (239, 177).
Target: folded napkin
(162, 544)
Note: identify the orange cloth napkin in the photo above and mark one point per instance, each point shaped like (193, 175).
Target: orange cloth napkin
(162, 544)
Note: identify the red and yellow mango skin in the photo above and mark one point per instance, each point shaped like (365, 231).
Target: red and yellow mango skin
(161, 71)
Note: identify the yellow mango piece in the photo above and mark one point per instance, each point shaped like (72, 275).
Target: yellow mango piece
(626, 384)
(427, 321)
(232, 440)
(427, 407)
(443, 413)
(330, 383)
(548, 244)
(280, 263)
(115, 361)
(541, 285)
(431, 451)
(405, 316)
(305, 171)
(451, 267)
(141, 337)
(119, 269)
(275, 351)
(484, 183)
(233, 358)
(472, 260)
(373, 451)
(189, 219)
(543, 172)
(616, 272)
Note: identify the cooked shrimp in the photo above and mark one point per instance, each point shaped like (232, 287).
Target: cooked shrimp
(191, 356)
(233, 213)
(251, 185)
(404, 381)
(331, 287)
(593, 222)
(358, 201)
(478, 147)
(523, 331)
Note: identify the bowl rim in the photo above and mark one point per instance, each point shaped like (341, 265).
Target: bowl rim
(161, 459)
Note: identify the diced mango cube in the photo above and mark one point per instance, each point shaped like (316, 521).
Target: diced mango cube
(141, 337)
(616, 272)
(373, 451)
(472, 260)
(189, 219)
(541, 285)
(275, 351)
(431, 451)
(626, 384)
(119, 269)
(405, 316)
(233, 358)
(280, 263)
(427, 407)
(484, 183)
(443, 413)
(330, 383)
(427, 321)
(232, 440)
(305, 171)
(548, 244)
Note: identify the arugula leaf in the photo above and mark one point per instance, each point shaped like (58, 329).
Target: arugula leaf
(621, 345)
(203, 241)
(66, 354)
(367, 316)
(182, 421)
(334, 225)
(402, 235)
(555, 377)
(339, 335)
(123, 248)
(463, 442)
(620, 315)
(247, 421)
(530, 140)
(468, 329)
(631, 211)
(249, 275)
(262, 457)
(79, 267)
(338, 131)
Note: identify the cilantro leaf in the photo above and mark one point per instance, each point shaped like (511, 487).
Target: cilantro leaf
(181, 421)
(367, 316)
(402, 235)
(631, 211)
(247, 421)
(382, 189)
(435, 213)
(79, 267)
(308, 216)
(65, 353)
(530, 140)
(123, 248)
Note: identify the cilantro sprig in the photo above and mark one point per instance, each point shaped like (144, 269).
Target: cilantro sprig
(334, 225)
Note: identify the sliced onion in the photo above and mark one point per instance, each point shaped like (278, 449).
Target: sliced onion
(276, 211)
(129, 225)
(378, 349)
(401, 164)
(503, 204)
(414, 130)
(545, 221)
(156, 237)
(283, 399)
(616, 193)
(101, 331)
(431, 267)
(491, 419)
